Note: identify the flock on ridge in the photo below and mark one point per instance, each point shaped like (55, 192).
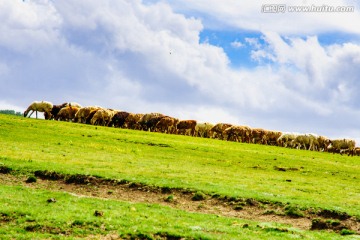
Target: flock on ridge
(157, 122)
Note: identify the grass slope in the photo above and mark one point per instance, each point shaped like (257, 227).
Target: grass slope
(319, 180)
(228, 168)
(26, 214)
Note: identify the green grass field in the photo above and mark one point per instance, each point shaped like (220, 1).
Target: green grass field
(310, 180)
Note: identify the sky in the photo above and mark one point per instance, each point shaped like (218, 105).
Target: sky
(255, 63)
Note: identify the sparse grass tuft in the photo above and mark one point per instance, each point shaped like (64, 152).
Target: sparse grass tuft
(293, 211)
(238, 207)
(170, 198)
(77, 222)
(198, 196)
(31, 179)
(347, 232)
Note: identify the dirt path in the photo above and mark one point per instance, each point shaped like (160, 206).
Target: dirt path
(181, 199)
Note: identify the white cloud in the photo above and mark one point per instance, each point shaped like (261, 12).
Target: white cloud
(248, 15)
(26, 25)
(253, 42)
(237, 44)
(324, 73)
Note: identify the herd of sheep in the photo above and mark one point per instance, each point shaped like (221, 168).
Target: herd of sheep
(157, 122)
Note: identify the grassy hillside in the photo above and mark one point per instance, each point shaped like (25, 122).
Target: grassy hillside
(26, 214)
(303, 178)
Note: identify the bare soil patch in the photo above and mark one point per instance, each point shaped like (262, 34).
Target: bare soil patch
(184, 199)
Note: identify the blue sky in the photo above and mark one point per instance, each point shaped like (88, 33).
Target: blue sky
(207, 60)
(234, 44)
(338, 38)
(238, 50)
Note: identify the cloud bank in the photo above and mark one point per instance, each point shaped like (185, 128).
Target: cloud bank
(146, 57)
(249, 15)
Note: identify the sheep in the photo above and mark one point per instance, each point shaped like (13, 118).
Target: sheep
(324, 143)
(166, 125)
(341, 146)
(218, 129)
(118, 120)
(144, 121)
(67, 113)
(307, 141)
(84, 113)
(203, 129)
(151, 124)
(55, 110)
(132, 121)
(271, 137)
(258, 135)
(237, 134)
(354, 152)
(48, 116)
(74, 104)
(91, 115)
(102, 117)
(37, 106)
(287, 140)
(186, 127)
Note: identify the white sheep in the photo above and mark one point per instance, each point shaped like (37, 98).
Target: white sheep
(73, 104)
(37, 106)
(287, 139)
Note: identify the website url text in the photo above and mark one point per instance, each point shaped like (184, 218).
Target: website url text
(282, 8)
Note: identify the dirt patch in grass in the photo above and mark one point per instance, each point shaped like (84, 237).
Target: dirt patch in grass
(5, 169)
(6, 217)
(135, 236)
(320, 224)
(185, 199)
(45, 229)
(333, 214)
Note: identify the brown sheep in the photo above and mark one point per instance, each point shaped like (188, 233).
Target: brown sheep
(91, 115)
(118, 120)
(186, 127)
(258, 135)
(132, 121)
(145, 122)
(271, 137)
(218, 129)
(67, 113)
(167, 125)
(84, 113)
(354, 152)
(54, 111)
(237, 133)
